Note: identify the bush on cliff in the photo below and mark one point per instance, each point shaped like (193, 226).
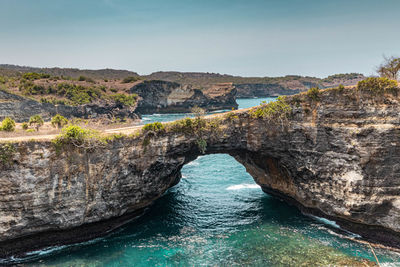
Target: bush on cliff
(7, 125)
(35, 76)
(378, 85)
(79, 137)
(276, 110)
(36, 121)
(154, 127)
(7, 151)
(59, 121)
(313, 93)
(126, 100)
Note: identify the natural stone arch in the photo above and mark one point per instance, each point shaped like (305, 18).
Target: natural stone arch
(335, 158)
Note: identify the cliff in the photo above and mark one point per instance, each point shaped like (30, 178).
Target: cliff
(258, 86)
(334, 154)
(21, 109)
(170, 97)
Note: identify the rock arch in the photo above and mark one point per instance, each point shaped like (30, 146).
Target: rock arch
(336, 158)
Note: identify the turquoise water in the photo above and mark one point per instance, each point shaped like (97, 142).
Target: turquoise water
(217, 216)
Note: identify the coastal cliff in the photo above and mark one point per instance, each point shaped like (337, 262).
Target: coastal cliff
(21, 109)
(334, 153)
(158, 96)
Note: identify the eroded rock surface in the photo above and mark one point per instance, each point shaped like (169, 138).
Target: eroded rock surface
(337, 157)
(21, 109)
(170, 97)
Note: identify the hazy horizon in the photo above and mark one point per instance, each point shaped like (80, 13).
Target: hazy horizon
(241, 38)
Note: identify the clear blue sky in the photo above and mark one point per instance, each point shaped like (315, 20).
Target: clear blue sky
(239, 37)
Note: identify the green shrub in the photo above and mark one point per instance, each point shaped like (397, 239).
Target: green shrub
(25, 126)
(378, 85)
(85, 79)
(202, 145)
(7, 151)
(113, 90)
(341, 87)
(130, 79)
(231, 116)
(79, 137)
(59, 121)
(30, 130)
(126, 100)
(7, 125)
(34, 76)
(313, 93)
(278, 109)
(155, 127)
(36, 121)
(78, 94)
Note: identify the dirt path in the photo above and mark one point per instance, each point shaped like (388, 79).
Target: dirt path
(123, 130)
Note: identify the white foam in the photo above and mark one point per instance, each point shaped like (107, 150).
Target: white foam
(243, 186)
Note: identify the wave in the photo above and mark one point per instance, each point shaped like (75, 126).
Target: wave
(243, 186)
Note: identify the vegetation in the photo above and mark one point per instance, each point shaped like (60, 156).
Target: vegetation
(85, 79)
(126, 100)
(78, 137)
(389, 68)
(231, 116)
(154, 127)
(35, 76)
(130, 79)
(276, 110)
(59, 121)
(25, 126)
(36, 121)
(202, 145)
(313, 93)
(378, 85)
(7, 151)
(7, 125)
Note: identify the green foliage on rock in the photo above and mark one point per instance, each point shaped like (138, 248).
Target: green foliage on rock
(154, 127)
(313, 93)
(276, 110)
(378, 85)
(127, 100)
(36, 121)
(7, 125)
(202, 145)
(78, 94)
(79, 137)
(7, 151)
(59, 121)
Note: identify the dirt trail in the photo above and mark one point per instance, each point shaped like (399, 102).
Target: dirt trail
(123, 130)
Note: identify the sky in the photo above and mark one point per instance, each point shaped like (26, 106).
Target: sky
(239, 37)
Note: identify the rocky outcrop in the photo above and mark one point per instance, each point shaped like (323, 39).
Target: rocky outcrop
(21, 109)
(171, 97)
(337, 157)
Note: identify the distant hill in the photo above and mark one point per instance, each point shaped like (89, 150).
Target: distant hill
(258, 86)
(246, 86)
(9, 70)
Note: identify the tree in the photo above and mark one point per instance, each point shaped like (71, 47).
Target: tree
(7, 125)
(389, 68)
(59, 121)
(36, 121)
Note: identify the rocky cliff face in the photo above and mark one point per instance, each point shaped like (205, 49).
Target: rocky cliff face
(20, 109)
(336, 157)
(170, 97)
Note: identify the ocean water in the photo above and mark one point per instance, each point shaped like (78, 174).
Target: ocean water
(218, 216)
